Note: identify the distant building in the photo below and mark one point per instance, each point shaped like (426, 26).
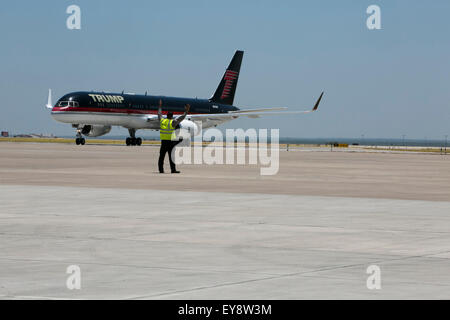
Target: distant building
(5, 134)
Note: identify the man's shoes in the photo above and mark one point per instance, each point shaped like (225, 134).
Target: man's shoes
(175, 171)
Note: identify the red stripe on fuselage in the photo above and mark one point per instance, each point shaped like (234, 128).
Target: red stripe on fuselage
(115, 110)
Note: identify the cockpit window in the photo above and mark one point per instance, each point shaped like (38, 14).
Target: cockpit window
(68, 104)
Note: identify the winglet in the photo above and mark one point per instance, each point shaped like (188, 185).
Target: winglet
(49, 101)
(318, 102)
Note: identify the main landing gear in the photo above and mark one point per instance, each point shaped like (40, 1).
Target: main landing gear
(79, 140)
(132, 140)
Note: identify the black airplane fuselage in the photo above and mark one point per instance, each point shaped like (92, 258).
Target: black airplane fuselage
(84, 101)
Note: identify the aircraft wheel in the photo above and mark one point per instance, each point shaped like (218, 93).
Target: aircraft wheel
(138, 141)
(133, 141)
(128, 141)
(77, 141)
(82, 141)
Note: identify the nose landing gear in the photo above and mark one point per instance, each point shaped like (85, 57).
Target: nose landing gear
(132, 140)
(79, 140)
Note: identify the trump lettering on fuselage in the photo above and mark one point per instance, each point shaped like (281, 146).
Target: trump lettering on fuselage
(106, 98)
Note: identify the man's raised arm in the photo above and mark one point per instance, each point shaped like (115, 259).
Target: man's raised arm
(160, 110)
(178, 120)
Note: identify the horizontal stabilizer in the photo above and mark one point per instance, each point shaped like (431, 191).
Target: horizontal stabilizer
(49, 100)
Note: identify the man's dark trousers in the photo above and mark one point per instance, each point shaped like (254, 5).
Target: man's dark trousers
(166, 146)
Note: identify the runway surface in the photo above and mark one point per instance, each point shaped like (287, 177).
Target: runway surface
(311, 231)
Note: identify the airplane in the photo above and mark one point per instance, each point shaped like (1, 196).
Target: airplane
(93, 114)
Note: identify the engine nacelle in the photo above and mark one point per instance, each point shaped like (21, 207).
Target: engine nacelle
(189, 128)
(95, 131)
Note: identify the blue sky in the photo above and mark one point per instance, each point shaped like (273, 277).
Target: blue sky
(382, 83)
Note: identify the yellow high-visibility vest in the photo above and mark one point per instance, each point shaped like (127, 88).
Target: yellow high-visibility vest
(166, 130)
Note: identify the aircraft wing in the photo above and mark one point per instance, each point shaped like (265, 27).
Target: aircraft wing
(251, 113)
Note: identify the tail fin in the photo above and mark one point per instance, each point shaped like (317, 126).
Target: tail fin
(227, 87)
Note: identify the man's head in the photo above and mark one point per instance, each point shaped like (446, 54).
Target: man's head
(169, 115)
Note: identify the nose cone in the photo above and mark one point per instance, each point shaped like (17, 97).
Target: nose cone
(55, 108)
(53, 114)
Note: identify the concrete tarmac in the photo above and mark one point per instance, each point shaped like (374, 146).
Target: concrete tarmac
(222, 231)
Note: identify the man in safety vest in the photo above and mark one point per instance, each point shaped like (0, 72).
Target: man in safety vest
(167, 135)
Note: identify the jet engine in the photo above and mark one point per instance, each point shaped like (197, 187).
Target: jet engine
(189, 128)
(95, 131)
